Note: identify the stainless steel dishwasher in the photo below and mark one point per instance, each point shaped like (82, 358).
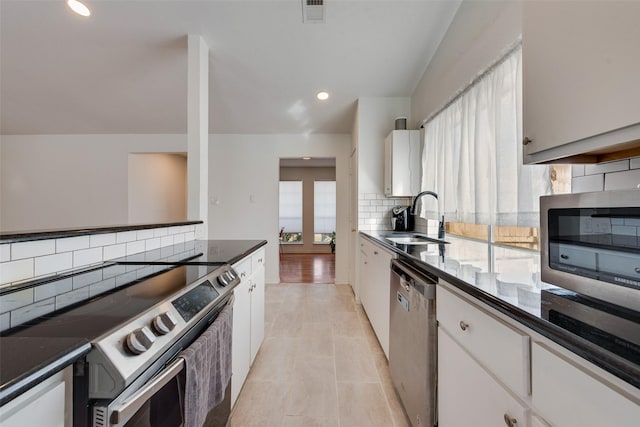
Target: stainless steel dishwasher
(413, 342)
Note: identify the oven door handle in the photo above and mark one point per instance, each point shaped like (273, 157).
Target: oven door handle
(130, 406)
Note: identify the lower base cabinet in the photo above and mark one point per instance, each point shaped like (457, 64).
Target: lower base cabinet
(248, 318)
(47, 404)
(468, 395)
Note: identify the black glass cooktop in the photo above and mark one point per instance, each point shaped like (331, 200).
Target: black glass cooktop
(108, 311)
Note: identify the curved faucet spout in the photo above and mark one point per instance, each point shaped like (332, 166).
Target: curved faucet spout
(414, 206)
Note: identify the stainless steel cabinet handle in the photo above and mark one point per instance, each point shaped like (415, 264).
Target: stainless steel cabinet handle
(511, 422)
(526, 140)
(463, 325)
(375, 252)
(243, 274)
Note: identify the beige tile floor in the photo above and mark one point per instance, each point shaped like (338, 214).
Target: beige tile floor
(320, 364)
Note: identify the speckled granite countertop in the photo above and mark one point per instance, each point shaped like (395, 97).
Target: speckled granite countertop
(508, 280)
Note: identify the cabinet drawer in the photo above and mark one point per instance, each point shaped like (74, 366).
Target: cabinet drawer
(257, 260)
(501, 349)
(243, 268)
(567, 396)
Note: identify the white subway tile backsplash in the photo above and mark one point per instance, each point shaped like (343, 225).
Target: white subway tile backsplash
(145, 234)
(82, 280)
(69, 244)
(582, 184)
(376, 203)
(125, 278)
(126, 236)
(87, 256)
(577, 170)
(5, 321)
(151, 244)
(32, 249)
(159, 232)
(623, 230)
(5, 252)
(135, 247)
(13, 271)
(364, 203)
(113, 271)
(634, 222)
(53, 263)
(72, 297)
(114, 251)
(166, 241)
(104, 239)
(32, 311)
(189, 236)
(102, 287)
(622, 180)
(144, 272)
(52, 289)
(14, 300)
(620, 165)
(635, 163)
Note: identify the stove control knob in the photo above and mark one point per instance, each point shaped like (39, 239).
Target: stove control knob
(140, 340)
(224, 279)
(164, 323)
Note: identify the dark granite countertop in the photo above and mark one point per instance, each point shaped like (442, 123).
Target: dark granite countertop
(25, 362)
(28, 235)
(508, 280)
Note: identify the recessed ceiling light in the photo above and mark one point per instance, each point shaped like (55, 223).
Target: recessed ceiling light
(306, 158)
(322, 96)
(78, 7)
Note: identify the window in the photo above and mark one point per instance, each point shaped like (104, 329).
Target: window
(324, 211)
(291, 211)
(472, 158)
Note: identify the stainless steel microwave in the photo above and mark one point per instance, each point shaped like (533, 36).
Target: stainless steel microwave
(591, 244)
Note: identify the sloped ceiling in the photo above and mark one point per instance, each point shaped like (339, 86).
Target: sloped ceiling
(124, 69)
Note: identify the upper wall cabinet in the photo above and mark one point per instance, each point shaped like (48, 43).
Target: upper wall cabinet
(581, 91)
(402, 163)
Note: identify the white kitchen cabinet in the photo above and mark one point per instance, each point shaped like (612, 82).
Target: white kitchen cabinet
(47, 404)
(248, 318)
(500, 348)
(580, 79)
(538, 422)
(402, 167)
(567, 395)
(468, 395)
(374, 288)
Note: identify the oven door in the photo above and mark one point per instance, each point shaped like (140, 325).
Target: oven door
(155, 399)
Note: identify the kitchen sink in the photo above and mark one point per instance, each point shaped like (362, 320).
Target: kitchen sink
(413, 239)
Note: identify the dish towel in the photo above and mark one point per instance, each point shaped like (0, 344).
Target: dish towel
(208, 369)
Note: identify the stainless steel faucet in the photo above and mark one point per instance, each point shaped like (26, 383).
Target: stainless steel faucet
(414, 209)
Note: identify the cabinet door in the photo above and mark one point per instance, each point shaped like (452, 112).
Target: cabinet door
(43, 405)
(241, 337)
(567, 396)
(580, 71)
(402, 163)
(380, 302)
(366, 248)
(257, 310)
(468, 395)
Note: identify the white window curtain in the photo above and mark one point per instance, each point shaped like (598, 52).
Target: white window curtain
(472, 155)
(324, 206)
(291, 206)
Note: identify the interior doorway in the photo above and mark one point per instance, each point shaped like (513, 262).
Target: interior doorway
(307, 220)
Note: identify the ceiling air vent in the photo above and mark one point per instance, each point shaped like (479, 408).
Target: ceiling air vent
(313, 11)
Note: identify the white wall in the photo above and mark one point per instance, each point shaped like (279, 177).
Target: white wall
(479, 34)
(308, 176)
(157, 188)
(243, 189)
(62, 181)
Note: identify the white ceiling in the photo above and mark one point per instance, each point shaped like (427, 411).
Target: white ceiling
(123, 70)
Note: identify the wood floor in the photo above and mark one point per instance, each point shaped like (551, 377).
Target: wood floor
(307, 268)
